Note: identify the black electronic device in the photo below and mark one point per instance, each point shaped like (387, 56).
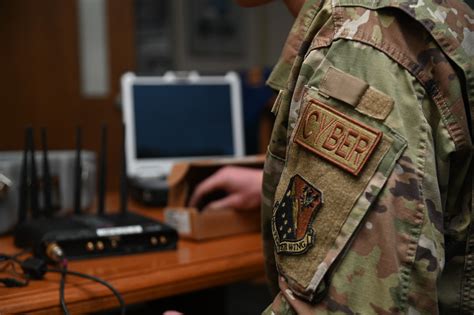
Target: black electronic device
(151, 191)
(84, 235)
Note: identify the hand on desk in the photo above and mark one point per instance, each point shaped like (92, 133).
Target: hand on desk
(243, 186)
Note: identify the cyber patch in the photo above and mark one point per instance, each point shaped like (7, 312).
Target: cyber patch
(338, 138)
(293, 216)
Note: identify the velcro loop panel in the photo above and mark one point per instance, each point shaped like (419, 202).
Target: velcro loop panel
(343, 86)
(357, 93)
(375, 104)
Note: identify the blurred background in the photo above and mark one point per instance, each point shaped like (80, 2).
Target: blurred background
(61, 60)
(61, 63)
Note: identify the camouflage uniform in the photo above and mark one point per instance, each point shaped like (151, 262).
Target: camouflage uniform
(367, 183)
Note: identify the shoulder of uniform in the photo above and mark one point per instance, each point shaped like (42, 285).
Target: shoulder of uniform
(435, 43)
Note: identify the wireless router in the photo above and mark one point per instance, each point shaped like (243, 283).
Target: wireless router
(82, 235)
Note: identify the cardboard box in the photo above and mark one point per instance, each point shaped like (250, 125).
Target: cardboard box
(196, 224)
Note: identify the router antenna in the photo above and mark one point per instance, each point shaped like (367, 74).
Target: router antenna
(34, 177)
(23, 191)
(123, 177)
(48, 207)
(78, 173)
(102, 170)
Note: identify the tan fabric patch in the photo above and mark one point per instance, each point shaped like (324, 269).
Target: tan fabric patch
(343, 86)
(356, 92)
(332, 135)
(375, 104)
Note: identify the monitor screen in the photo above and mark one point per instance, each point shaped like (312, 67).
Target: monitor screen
(182, 120)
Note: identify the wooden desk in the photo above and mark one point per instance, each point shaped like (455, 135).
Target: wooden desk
(139, 277)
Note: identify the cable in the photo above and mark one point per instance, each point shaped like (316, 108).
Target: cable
(62, 285)
(96, 279)
(35, 268)
(13, 283)
(55, 253)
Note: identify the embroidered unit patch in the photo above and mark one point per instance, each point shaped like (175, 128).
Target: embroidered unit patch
(293, 216)
(336, 137)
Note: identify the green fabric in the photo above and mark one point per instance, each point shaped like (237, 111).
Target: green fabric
(389, 252)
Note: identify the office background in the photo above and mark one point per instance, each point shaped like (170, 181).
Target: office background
(61, 60)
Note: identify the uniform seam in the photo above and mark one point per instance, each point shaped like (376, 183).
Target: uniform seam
(456, 57)
(454, 129)
(420, 75)
(420, 209)
(467, 285)
(273, 155)
(438, 98)
(451, 49)
(337, 20)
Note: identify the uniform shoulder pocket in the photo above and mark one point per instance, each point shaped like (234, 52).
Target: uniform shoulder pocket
(338, 160)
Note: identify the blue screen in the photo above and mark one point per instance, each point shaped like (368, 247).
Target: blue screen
(182, 120)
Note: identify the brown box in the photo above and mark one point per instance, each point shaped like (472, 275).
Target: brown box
(199, 225)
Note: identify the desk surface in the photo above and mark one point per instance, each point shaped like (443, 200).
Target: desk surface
(139, 277)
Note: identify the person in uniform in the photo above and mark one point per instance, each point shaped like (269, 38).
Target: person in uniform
(367, 185)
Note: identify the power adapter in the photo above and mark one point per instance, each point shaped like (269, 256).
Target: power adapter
(34, 268)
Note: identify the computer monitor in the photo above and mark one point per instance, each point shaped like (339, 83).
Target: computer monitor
(173, 118)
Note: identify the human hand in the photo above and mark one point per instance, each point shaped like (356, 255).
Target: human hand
(242, 184)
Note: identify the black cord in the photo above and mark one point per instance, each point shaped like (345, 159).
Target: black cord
(35, 267)
(89, 277)
(14, 283)
(62, 285)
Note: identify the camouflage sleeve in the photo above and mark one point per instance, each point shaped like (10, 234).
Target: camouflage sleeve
(376, 237)
(456, 292)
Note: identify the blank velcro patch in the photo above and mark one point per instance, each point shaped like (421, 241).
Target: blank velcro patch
(343, 86)
(338, 138)
(375, 104)
(357, 93)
